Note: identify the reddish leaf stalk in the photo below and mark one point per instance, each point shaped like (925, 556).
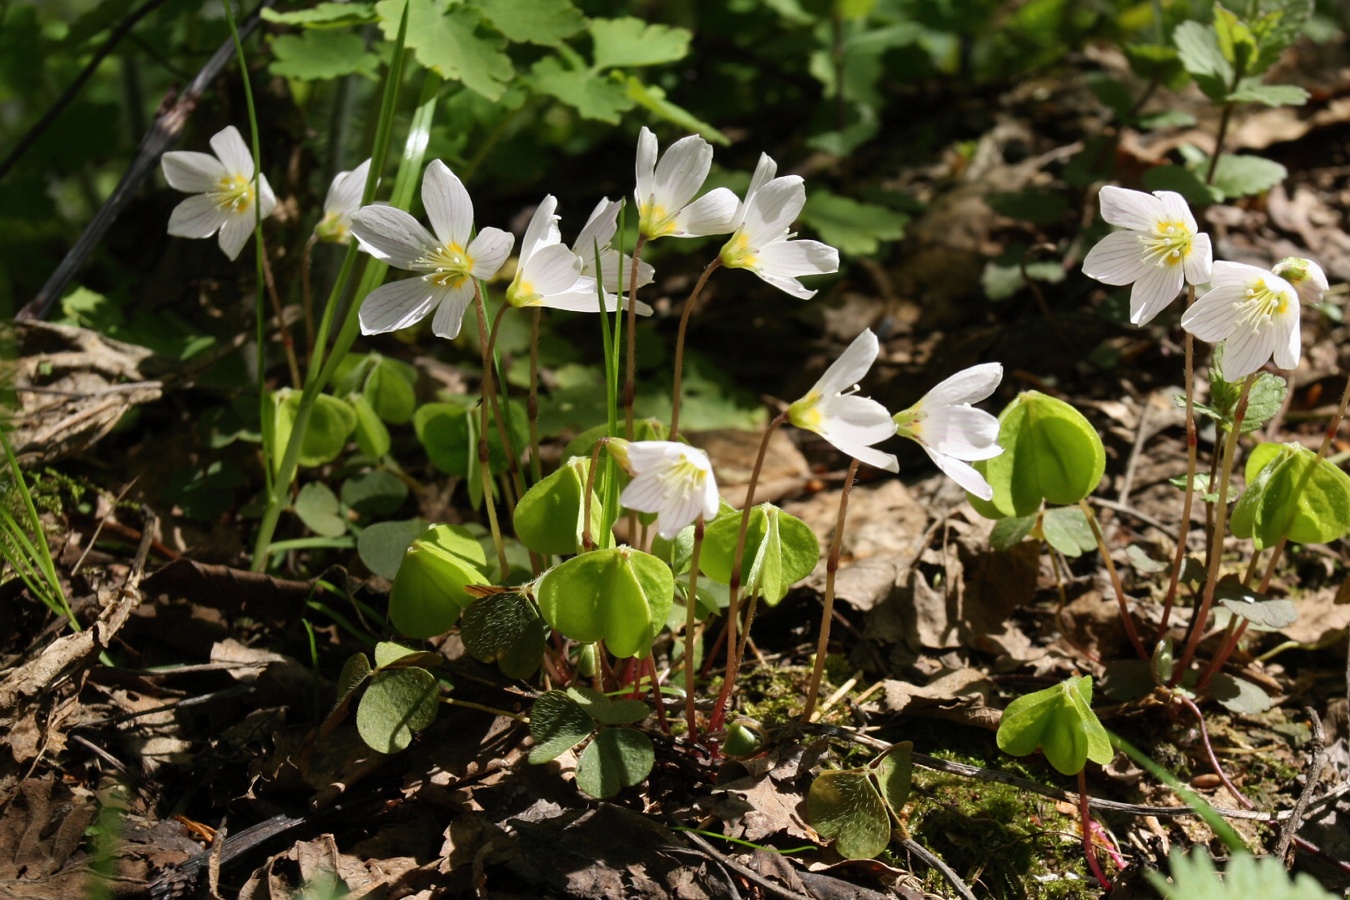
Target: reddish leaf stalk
(827, 614)
(677, 389)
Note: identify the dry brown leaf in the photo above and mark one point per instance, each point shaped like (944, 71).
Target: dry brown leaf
(755, 808)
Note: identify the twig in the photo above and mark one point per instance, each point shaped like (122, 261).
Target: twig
(1132, 465)
(935, 862)
(168, 125)
(777, 890)
(1319, 757)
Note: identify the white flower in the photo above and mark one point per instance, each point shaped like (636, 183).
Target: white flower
(1306, 276)
(1160, 251)
(665, 189)
(762, 242)
(449, 261)
(343, 199)
(1254, 312)
(673, 480)
(851, 423)
(223, 185)
(951, 431)
(599, 232)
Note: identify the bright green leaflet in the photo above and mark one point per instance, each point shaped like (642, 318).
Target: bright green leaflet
(398, 704)
(429, 590)
(620, 596)
(1060, 721)
(1287, 495)
(550, 518)
(780, 550)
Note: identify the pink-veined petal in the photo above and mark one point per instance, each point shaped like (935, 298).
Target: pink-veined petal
(963, 474)
(646, 166)
(963, 432)
(542, 230)
(552, 270)
(193, 172)
(489, 250)
(598, 230)
(1244, 352)
(1199, 263)
(967, 386)
(400, 239)
(448, 206)
(1288, 340)
(681, 172)
(233, 152)
(1116, 259)
(1154, 290)
(851, 366)
(713, 213)
(1214, 316)
(397, 305)
(450, 308)
(712, 501)
(1230, 273)
(682, 512)
(1134, 210)
(197, 217)
(234, 234)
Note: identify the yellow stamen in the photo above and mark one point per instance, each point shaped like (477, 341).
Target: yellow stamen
(1168, 244)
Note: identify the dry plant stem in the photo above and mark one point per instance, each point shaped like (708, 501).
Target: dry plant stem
(677, 389)
(532, 404)
(690, 623)
(733, 658)
(1197, 628)
(1192, 452)
(1125, 615)
(1236, 629)
(481, 314)
(1209, 752)
(287, 342)
(1319, 756)
(491, 710)
(629, 384)
(827, 615)
(1086, 815)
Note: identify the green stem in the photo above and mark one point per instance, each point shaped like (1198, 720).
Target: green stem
(484, 464)
(630, 384)
(532, 404)
(1192, 454)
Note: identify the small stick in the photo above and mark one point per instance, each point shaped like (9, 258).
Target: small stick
(935, 862)
(1319, 757)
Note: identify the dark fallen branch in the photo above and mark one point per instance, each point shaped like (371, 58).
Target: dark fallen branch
(1318, 745)
(168, 126)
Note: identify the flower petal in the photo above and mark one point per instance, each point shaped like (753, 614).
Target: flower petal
(963, 474)
(1214, 316)
(1244, 352)
(787, 285)
(967, 386)
(1200, 261)
(542, 230)
(1176, 209)
(794, 259)
(450, 308)
(1231, 273)
(397, 305)
(553, 270)
(1154, 290)
(489, 250)
(267, 201)
(681, 172)
(773, 208)
(197, 217)
(233, 152)
(1116, 259)
(448, 205)
(344, 195)
(713, 213)
(188, 170)
(646, 166)
(962, 432)
(854, 419)
(1134, 210)
(1288, 340)
(399, 237)
(234, 234)
(851, 366)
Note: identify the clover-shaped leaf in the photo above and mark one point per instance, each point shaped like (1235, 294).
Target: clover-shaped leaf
(780, 550)
(619, 595)
(846, 807)
(1287, 495)
(617, 758)
(398, 704)
(429, 589)
(1060, 721)
(505, 627)
(550, 518)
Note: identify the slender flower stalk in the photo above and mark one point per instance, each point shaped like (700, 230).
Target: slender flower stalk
(827, 614)
(484, 466)
(1192, 458)
(690, 625)
(225, 191)
(677, 389)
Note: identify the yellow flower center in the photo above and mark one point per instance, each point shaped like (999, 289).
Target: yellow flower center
(1168, 244)
(233, 192)
(805, 413)
(655, 221)
(1262, 305)
(447, 266)
(908, 423)
(738, 254)
(333, 228)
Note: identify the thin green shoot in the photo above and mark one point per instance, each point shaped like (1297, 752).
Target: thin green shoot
(31, 558)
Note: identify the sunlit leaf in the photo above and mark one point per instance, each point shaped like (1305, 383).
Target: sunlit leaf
(620, 596)
(845, 806)
(398, 704)
(557, 724)
(1060, 721)
(780, 550)
(505, 628)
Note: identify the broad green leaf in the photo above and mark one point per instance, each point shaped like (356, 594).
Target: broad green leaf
(1250, 90)
(1286, 495)
(505, 628)
(391, 655)
(381, 546)
(1235, 39)
(855, 229)
(593, 96)
(1066, 528)
(318, 507)
(550, 518)
(449, 433)
(845, 806)
(1050, 454)
(1239, 176)
(1244, 877)
(330, 423)
(557, 724)
(1198, 47)
(375, 493)
(544, 22)
(316, 54)
(620, 596)
(429, 589)
(323, 15)
(1060, 721)
(895, 776)
(371, 434)
(355, 671)
(1154, 62)
(1183, 181)
(450, 43)
(398, 704)
(621, 43)
(617, 758)
(390, 390)
(1239, 695)
(606, 711)
(780, 550)
(1265, 398)
(1258, 609)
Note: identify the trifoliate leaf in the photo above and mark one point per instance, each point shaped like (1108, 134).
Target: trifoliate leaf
(593, 96)
(1060, 721)
(780, 550)
(1239, 695)
(606, 711)
(429, 589)
(331, 421)
(450, 43)
(620, 596)
(317, 54)
(1067, 529)
(618, 758)
(551, 517)
(505, 628)
(1287, 496)
(632, 42)
(855, 229)
(557, 724)
(845, 806)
